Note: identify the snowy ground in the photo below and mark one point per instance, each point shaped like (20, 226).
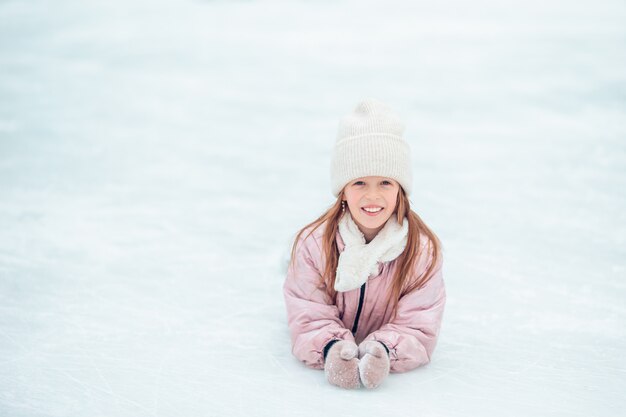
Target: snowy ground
(157, 158)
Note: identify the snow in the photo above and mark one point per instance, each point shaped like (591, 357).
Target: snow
(157, 158)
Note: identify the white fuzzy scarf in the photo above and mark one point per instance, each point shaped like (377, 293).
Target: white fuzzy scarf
(359, 260)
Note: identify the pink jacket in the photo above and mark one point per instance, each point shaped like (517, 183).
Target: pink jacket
(314, 320)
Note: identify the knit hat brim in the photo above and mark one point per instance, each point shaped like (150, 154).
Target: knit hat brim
(374, 154)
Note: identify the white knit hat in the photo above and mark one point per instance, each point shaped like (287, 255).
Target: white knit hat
(370, 143)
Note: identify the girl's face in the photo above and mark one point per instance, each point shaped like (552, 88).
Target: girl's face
(371, 201)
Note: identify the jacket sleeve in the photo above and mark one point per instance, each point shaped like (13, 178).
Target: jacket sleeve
(412, 335)
(312, 317)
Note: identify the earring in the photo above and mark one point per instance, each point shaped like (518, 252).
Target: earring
(343, 206)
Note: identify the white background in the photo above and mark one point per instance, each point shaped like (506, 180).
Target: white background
(156, 159)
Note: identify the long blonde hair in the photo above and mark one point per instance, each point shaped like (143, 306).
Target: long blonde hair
(403, 281)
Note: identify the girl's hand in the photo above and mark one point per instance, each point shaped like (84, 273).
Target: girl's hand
(374, 363)
(342, 365)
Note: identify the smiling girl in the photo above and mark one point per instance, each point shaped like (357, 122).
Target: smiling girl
(364, 289)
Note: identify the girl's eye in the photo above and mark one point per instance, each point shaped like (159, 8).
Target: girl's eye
(359, 183)
(386, 182)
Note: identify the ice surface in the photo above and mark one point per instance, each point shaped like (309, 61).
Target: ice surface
(157, 158)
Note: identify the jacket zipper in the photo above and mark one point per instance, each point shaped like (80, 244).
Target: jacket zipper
(358, 310)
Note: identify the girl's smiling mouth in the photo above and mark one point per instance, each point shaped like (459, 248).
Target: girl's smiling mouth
(372, 210)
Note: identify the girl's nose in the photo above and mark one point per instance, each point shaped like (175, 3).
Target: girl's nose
(372, 195)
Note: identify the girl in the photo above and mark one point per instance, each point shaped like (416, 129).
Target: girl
(364, 289)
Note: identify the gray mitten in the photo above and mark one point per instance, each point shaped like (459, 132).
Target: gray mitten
(342, 364)
(374, 363)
